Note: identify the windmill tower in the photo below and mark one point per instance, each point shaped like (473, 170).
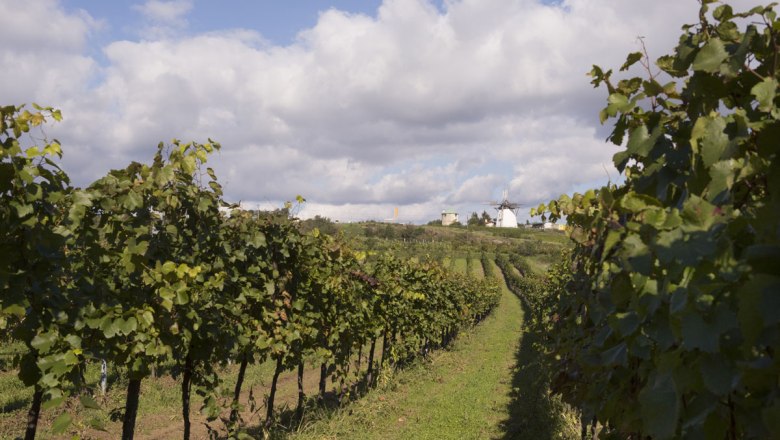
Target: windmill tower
(507, 211)
(394, 219)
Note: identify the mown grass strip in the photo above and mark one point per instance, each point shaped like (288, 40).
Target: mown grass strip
(459, 265)
(461, 393)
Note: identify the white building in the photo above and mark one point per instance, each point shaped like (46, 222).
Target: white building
(507, 212)
(449, 217)
(506, 218)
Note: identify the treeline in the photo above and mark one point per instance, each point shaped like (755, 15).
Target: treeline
(664, 320)
(141, 269)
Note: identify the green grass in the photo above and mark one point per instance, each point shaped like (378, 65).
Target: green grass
(476, 268)
(464, 392)
(485, 387)
(159, 406)
(459, 265)
(538, 267)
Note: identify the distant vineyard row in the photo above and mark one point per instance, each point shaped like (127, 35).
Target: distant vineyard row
(142, 270)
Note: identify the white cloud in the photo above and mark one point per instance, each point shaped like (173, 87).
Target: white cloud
(42, 53)
(165, 11)
(414, 107)
(164, 18)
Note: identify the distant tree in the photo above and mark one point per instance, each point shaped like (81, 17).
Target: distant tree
(486, 218)
(410, 232)
(388, 232)
(324, 224)
(473, 220)
(456, 224)
(275, 214)
(436, 222)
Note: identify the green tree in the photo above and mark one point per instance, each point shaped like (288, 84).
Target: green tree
(473, 220)
(323, 224)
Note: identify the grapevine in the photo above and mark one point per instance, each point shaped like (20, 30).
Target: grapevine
(666, 313)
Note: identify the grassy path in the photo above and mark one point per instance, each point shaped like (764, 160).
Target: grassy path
(464, 393)
(476, 268)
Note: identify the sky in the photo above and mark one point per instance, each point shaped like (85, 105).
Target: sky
(359, 106)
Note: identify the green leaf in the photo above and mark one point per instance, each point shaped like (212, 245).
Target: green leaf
(613, 237)
(723, 12)
(148, 318)
(43, 341)
(88, 401)
(618, 103)
(716, 374)
(765, 93)
(22, 209)
(635, 202)
(698, 334)
(659, 406)
(133, 201)
(640, 142)
(754, 307)
(15, 309)
(53, 402)
(678, 301)
(128, 325)
(204, 204)
(652, 88)
(168, 267)
(617, 355)
(182, 297)
(626, 323)
(710, 56)
(709, 139)
(61, 423)
(722, 178)
(632, 58)
(188, 164)
(98, 424)
(698, 212)
(81, 198)
(137, 248)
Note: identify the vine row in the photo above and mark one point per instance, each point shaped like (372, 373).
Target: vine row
(144, 270)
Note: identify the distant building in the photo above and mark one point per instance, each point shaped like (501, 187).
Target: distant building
(449, 217)
(506, 218)
(507, 212)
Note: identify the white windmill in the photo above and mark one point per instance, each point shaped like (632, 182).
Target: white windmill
(507, 211)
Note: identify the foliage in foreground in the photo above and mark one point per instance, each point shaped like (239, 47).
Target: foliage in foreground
(141, 269)
(665, 320)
